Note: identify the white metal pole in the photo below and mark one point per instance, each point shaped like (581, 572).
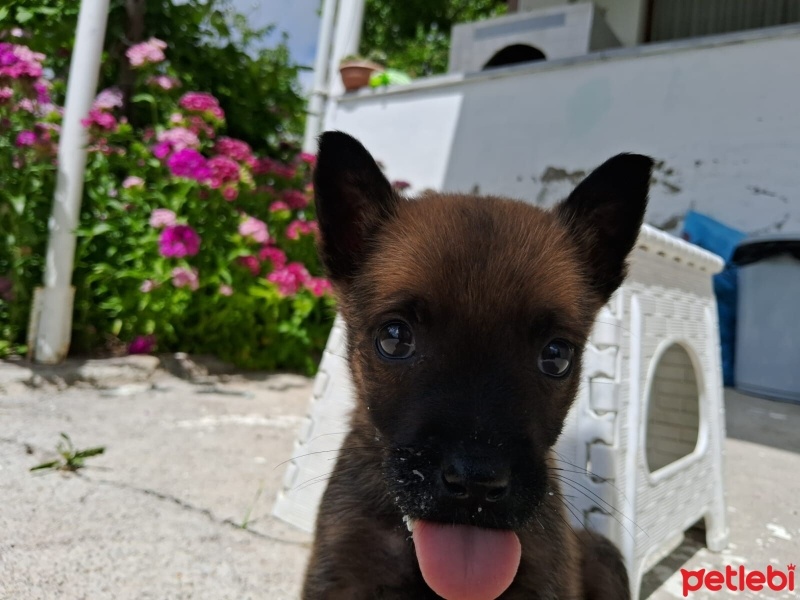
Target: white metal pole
(320, 90)
(346, 39)
(51, 318)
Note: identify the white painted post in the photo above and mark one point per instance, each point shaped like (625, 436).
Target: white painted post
(346, 39)
(51, 318)
(321, 88)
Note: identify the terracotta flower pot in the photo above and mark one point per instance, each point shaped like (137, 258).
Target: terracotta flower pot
(356, 74)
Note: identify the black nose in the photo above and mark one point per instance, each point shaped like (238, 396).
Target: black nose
(475, 479)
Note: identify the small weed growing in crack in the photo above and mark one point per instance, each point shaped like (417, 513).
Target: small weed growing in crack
(71, 459)
(246, 520)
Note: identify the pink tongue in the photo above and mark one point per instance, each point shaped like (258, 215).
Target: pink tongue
(460, 562)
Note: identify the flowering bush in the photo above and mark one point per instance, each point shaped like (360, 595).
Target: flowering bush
(188, 240)
(212, 47)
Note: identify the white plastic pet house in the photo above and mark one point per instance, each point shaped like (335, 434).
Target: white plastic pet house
(642, 448)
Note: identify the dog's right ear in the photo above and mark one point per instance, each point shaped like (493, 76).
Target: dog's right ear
(353, 200)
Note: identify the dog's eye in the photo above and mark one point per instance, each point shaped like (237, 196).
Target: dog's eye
(556, 358)
(395, 340)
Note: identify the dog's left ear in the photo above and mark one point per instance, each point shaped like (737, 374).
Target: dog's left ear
(353, 200)
(605, 213)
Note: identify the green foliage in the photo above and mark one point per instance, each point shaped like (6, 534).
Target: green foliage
(253, 300)
(415, 34)
(70, 458)
(212, 48)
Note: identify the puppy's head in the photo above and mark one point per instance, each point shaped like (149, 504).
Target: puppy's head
(466, 319)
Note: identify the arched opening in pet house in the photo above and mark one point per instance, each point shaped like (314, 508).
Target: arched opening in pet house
(514, 54)
(673, 409)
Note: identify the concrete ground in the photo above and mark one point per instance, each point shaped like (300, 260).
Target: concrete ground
(179, 505)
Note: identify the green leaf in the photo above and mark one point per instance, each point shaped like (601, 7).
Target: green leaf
(261, 292)
(18, 204)
(149, 98)
(47, 10)
(89, 452)
(48, 465)
(23, 15)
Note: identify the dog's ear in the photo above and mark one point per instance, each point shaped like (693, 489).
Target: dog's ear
(353, 200)
(604, 214)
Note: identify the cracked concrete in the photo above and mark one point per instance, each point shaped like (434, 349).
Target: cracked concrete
(159, 514)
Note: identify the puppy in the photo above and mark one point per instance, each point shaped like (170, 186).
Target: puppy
(466, 319)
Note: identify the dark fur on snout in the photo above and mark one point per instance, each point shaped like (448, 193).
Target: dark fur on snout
(485, 284)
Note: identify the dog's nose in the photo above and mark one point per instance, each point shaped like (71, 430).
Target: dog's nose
(476, 480)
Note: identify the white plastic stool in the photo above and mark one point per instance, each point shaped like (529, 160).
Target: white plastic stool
(642, 449)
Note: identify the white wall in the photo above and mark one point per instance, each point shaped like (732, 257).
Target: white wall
(722, 116)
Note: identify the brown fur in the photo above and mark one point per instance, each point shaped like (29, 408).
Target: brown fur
(484, 283)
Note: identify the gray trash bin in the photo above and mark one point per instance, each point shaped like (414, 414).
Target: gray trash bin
(768, 319)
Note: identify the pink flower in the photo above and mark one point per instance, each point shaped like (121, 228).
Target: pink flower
(251, 263)
(18, 62)
(42, 89)
(189, 163)
(142, 344)
(230, 193)
(177, 241)
(198, 125)
(318, 286)
(263, 166)
(162, 217)
(25, 138)
(308, 158)
(164, 82)
(254, 229)
(290, 278)
(295, 199)
(101, 120)
(178, 138)
(132, 181)
(161, 150)
(6, 289)
(275, 255)
(225, 290)
(27, 105)
(148, 285)
(278, 205)
(223, 170)
(108, 99)
(146, 53)
(400, 185)
(298, 228)
(282, 170)
(6, 94)
(198, 101)
(202, 103)
(182, 277)
(235, 149)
